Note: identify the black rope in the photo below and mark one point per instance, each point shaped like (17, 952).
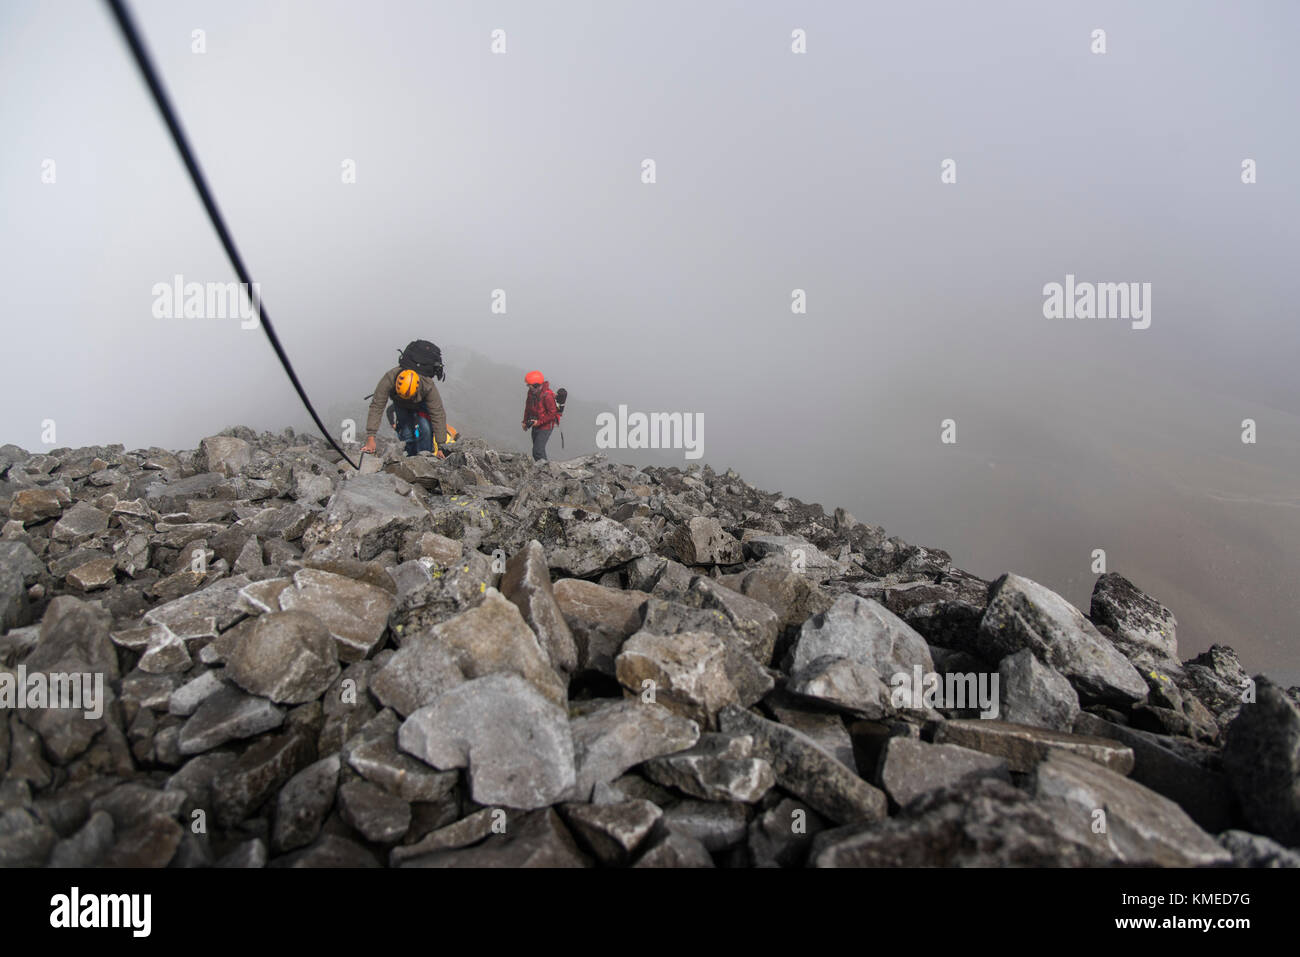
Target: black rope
(151, 77)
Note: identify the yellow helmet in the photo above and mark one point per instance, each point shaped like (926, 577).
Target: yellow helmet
(408, 384)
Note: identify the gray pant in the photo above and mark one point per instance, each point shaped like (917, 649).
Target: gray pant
(540, 438)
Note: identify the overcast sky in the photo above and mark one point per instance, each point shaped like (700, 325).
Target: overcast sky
(775, 171)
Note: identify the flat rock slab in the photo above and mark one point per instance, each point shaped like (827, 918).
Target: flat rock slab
(806, 770)
(515, 743)
(910, 768)
(1141, 826)
(983, 823)
(219, 601)
(355, 613)
(1199, 790)
(1024, 747)
(228, 715)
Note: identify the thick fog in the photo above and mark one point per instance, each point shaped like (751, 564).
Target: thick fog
(389, 176)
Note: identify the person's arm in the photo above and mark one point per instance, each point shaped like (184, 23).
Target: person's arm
(437, 416)
(383, 392)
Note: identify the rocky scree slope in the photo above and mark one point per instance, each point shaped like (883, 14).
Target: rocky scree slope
(486, 662)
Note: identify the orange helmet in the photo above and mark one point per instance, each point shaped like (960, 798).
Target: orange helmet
(408, 384)
(534, 378)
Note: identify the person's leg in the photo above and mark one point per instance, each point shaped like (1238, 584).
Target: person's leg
(424, 441)
(540, 438)
(406, 422)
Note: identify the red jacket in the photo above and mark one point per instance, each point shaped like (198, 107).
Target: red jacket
(542, 408)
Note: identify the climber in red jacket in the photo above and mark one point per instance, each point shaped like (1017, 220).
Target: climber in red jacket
(540, 412)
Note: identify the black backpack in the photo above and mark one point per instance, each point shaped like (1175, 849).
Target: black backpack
(424, 357)
(561, 397)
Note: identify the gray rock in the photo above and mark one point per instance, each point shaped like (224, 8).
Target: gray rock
(80, 524)
(218, 602)
(910, 768)
(88, 846)
(718, 826)
(247, 854)
(185, 700)
(1024, 747)
(982, 823)
(515, 742)
(790, 552)
(807, 771)
(379, 816)
(1034, 694)
(1139, 825)
(93, 575)
(719, 767)
(329, 850)
(1138, 621)
(227, 715)
(24, 840)
(31, 505)
(1261, 756)
(675, 849)
(416, 675)
(792, 597)
(355, 613)
(303, 804)
(538, 839)
(527, 583)
(619, 734)
(687, 673)
(825, 729)
(378, 760)
(17, 561)
(781, 835)
(152, 842)
(849, 655)
(258, 774)
(1023, 614)
(580, 543)
(702, 541)
(611, 832)
(600, 619)
(287, 656)
(493, 638)
(224, 454)
(1254, 850)
(365, 516)
(1186, 774)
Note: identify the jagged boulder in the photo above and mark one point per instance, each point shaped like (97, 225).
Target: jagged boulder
(1023, 614)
